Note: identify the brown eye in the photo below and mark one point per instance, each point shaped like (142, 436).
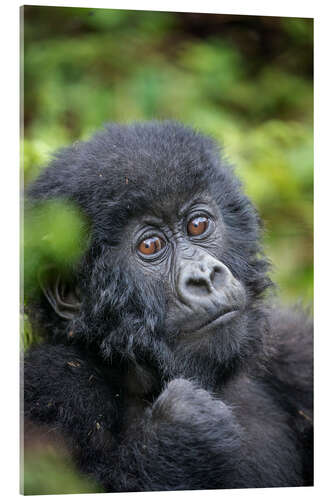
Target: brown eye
(150, 246)
(197, 226)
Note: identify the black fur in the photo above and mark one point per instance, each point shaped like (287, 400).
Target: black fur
(140, 409)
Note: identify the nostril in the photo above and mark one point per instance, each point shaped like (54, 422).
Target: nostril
(217, 277)
(198, 286)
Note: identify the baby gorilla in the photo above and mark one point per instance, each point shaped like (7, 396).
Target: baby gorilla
(162, 365)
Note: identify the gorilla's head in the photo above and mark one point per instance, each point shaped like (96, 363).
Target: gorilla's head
(174, 272)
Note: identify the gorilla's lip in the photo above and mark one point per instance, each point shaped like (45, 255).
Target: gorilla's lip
(219, 320)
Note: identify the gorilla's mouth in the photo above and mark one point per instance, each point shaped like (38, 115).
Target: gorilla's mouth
(216, 321)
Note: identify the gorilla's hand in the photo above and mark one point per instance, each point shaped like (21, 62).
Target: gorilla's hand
(183, 402)
(186, 440)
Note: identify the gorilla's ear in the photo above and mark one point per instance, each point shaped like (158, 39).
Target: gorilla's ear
(61, 292)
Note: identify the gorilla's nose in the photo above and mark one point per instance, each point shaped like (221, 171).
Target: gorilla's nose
(203, 280)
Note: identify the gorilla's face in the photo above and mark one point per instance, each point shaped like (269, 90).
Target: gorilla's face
(165, 291)
(183, 250)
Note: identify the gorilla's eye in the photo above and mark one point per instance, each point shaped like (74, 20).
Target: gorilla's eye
(152, 245)
(197, 226)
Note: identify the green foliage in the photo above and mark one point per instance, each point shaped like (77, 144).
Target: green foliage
(56, 234)
(28, 336)
(48, 472)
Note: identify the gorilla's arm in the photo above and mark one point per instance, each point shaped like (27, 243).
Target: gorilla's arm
(185, 440)
(289, 375)
(65, 391)
(290, 363)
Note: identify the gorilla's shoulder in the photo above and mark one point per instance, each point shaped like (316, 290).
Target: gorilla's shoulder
(291, 326)
(290, 354)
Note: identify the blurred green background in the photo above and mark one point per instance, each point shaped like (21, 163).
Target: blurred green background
(245, 80)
